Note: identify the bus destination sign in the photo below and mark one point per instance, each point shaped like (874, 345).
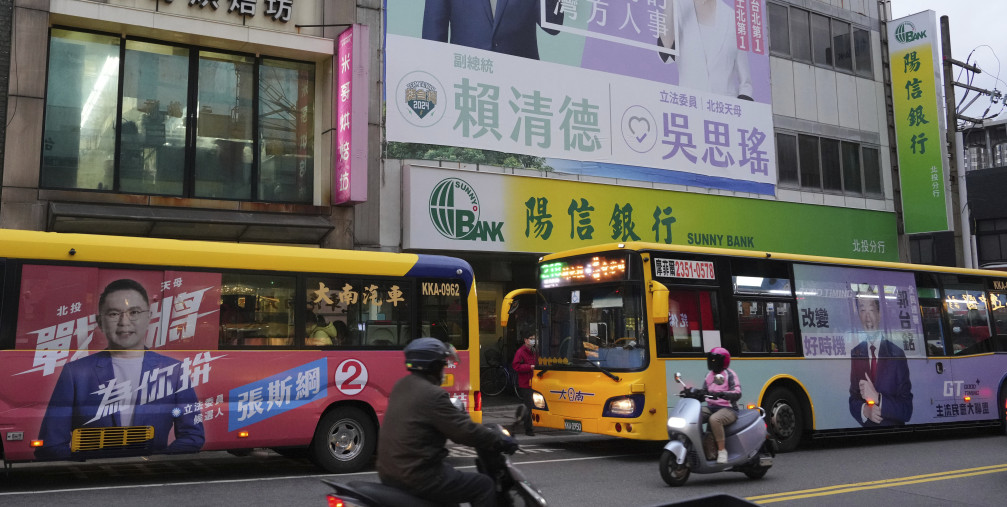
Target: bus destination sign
(594, 269)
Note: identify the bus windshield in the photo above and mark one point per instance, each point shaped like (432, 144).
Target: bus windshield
(599, 324)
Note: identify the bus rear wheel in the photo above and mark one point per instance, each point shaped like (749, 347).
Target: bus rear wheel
(344, 441)
(785, 415)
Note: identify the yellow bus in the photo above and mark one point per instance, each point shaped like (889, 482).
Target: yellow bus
(116, 346)
(828, 346)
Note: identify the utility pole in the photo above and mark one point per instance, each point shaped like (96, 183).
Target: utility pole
(961, 228)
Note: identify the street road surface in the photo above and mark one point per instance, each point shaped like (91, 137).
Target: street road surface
(570, 469)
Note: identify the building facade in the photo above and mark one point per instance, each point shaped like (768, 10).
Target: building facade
(632, 138)
(205, 120)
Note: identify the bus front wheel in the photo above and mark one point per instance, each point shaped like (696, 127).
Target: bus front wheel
(786, 416)
(344, 441)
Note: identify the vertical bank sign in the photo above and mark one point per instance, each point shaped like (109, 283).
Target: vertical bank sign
(919, 121)
(349, 183)
(624, 88)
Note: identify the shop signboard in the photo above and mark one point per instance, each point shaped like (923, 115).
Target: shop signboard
(919, 122)
(484, 211)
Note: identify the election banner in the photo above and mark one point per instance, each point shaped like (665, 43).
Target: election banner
(638, 90)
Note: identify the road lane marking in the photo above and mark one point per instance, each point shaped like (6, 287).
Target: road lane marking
(311, 476)
(883, 483)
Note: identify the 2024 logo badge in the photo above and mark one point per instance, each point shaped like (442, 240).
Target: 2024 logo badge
(419, 96)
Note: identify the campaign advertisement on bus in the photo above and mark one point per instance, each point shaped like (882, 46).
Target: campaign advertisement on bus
(668, 91)
(120, 348)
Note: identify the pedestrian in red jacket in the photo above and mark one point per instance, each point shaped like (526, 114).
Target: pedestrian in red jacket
(524, 365)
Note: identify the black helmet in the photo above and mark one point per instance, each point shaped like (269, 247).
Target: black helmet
(428, 355)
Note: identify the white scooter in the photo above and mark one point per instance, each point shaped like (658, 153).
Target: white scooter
(750, 446)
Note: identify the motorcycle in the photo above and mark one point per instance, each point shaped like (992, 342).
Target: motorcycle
(512, 487)
(750, 444)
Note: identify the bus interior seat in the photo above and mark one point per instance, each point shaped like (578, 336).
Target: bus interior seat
(381, 335)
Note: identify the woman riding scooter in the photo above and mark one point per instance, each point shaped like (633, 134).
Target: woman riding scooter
(721, 407)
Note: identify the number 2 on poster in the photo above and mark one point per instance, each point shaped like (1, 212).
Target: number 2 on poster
(351, 377)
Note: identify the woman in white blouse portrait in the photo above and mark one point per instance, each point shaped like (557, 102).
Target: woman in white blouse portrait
(708, 57)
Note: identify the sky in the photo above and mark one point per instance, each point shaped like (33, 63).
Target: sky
(974, 25)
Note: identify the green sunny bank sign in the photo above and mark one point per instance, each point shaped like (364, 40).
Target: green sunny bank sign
(484, 211)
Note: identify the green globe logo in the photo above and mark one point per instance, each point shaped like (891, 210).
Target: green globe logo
(906, 32)
(454, 208)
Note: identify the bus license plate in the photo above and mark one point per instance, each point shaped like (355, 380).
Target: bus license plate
(572, 425)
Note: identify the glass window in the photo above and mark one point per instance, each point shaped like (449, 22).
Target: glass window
(345, 312)
(921, 249)
(842, 45)
(998, 308)
(932, 332)
(154, 99)
(224, 126)
(80, 111)
(970, 324)
(766, 326)
(594, 325)
(862, 52)
(779, 29)
(286, 131)
(692, 318)
(832, 177)
(256, 310)
(821, 40)
(851, 168)
(872, 173)
(147, 148)
(810, 175)
(442, 313)
(800, 35)
(786, 156)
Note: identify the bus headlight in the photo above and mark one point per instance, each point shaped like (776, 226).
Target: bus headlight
(624, 406)
(538, 400)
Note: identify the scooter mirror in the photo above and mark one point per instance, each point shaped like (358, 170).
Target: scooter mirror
(678, 377)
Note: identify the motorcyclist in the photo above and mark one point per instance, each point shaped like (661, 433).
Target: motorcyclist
(419, 419)
(724, 389)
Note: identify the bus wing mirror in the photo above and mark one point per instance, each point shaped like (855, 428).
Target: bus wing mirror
(510, 306)
(659, 303)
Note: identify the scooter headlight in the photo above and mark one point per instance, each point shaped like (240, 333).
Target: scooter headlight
(676, 423)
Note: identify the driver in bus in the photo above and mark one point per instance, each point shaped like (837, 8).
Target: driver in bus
(419, 420)
(880, 390)
(121, 385)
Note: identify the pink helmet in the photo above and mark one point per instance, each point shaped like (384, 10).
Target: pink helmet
(718, 359)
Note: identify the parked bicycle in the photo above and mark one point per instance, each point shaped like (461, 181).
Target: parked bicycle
(495, 376)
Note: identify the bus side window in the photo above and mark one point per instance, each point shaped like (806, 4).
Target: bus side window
(766, 326)
(693, 323)
(256, 310)
(998, 310)
(7, 328)
(970, 323)
(932, 331)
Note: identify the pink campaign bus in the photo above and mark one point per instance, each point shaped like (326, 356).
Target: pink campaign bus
(114, 346)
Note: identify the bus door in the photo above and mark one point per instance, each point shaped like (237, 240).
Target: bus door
(969, 334)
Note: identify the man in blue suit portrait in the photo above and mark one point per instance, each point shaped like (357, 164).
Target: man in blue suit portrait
(123, 385)
(503, 26)
(880, 391)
